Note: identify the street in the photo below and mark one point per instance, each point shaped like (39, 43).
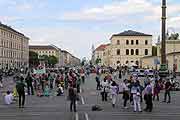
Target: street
(57, 108)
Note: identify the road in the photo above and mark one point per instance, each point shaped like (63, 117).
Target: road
(57, 108)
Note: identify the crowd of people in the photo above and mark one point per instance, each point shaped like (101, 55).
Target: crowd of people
(133, 88)
(110, 83)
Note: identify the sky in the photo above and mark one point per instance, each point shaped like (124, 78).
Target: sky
(76, 25)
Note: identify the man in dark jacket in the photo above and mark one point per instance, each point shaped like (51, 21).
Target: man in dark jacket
(29, 81)
(73, 97)
(20, 89)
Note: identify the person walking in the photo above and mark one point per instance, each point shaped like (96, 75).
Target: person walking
(20, 89)
(114, 91)
(148, 97)
(135, 90)
(73, 97)
(105, 88)
(98, 83)
(29, 81)
(125, 93)
(167, 91)
(157, 89)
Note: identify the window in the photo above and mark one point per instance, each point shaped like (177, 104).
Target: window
(146, 42)
(127, 52)
(127, 62)
(118, 51)
(132, 61)
(118, 62)
(132, 52)
(127, 42)
(118, 42)
(137, 51)
(132, 42)
(146, 51)
(137, 42)
(137, 62)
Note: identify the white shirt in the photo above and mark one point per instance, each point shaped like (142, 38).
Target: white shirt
(105, 86)
(8, 99)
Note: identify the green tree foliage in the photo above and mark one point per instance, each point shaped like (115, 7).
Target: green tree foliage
(154, 50)
(52, 60)
(33, 58)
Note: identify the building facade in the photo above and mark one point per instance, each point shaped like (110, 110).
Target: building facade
(49, 50)
(129, 46)
(14, 50)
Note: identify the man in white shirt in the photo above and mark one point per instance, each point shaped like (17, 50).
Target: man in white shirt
(8, 99)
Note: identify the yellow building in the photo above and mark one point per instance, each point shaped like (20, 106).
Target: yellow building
(14, 50)
(172, 52)
(49, 50)
(172, 59)
(129, 46)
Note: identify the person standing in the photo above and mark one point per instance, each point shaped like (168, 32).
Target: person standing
(98, 83)
(167, 91)
(125, 93)
(105, 88)
(29, 81)
(148, 97)
(114, 91)
(73, 97)
(157, 89)
(20, 89)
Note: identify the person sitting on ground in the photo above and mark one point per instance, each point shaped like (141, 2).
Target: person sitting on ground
(60, 90)
(8, 98)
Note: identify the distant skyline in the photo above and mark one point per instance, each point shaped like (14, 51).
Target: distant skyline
(75, 25)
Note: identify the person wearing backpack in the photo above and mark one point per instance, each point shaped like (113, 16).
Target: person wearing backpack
(21, 92)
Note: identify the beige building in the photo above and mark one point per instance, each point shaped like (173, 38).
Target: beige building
(14, 50)
(172, 59)
(100, 53)
(173, 56)
(129, 46)
(171, 46)
(69, 59)
(49, 50)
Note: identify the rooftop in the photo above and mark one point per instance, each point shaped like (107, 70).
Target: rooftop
(131, 33)
(41, 47)
(101, 47)
(11, 29)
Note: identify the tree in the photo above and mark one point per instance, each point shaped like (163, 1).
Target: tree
(33, 58)
(52, 60)
(174, 36)
(154, 50)
(98, 60)
(44, 58)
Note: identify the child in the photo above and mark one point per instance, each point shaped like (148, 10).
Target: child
(8, 99)
(46, 90)
(60, 90)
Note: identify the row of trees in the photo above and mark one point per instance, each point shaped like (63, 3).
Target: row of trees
(34, 59)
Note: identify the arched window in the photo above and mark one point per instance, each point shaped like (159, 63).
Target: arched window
(146, 52)
(146, 42)
(137, 62)
(127, 51)
(137, 42)
(127, 62)
(137, 51)
(127, 42)
(118, 62)
(132, 52)
(132, 42)
(118, 51)
(118, 42)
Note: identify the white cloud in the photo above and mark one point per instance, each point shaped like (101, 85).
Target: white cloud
(76, 41)
(146, 9)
